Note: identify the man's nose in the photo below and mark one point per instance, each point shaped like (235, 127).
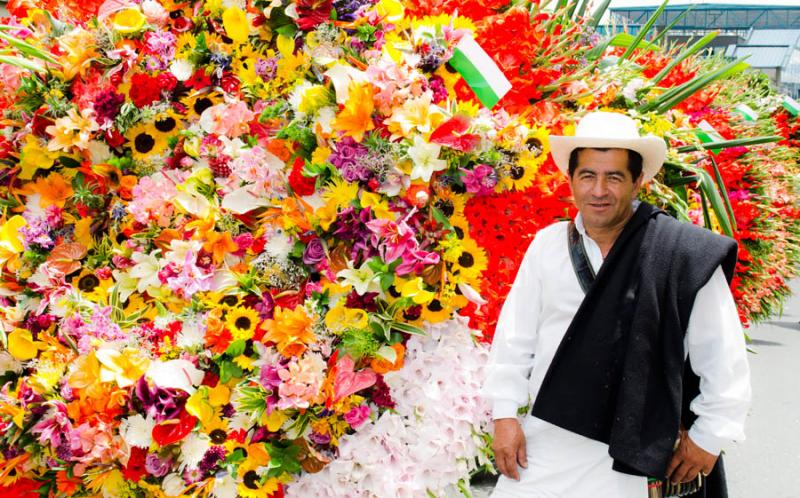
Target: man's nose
(600, 187)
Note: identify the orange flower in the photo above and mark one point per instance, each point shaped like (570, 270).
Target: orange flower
(382, 366)
(218, 338)
(356, 117)
(290, 331)
(54, 190)
(219, 244)
(67, 485)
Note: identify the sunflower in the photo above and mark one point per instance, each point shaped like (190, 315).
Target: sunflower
(255, 486)
(198, 102)
(471, 262)
(460, 226)
(168, 122)
(217, 430)
(537, 147)
(518, 176)
(145, 141)
(91, 287)
(436, 311)
(449, 203)
(242, 322)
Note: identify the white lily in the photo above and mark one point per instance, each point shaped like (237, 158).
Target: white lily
(363, 279)
(425, 157)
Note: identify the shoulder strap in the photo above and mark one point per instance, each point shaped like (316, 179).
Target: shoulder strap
(580, 261)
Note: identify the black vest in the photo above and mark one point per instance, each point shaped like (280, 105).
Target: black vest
(619, 374)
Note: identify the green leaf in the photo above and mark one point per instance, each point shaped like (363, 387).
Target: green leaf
(644, 31)
(21, 62)
(283, 459)
(28, 49)
(236, 348)
(229, 370)
(724, 192)
(671, 25)
(598, 14)
(408, 328)
(387, 353)
(724, 144)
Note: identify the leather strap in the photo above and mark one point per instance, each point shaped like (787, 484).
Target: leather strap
(580, 261)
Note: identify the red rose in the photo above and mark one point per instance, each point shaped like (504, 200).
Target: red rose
(114, 138)
(144, 90)
(172, 431)
(229, 83)
(302, 185)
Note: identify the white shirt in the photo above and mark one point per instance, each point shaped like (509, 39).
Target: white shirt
(542, 302)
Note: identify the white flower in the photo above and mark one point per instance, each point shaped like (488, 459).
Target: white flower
(425, 157)
(137, 431)
(193, 448)
(145, 271)
(173, 485)
(192, 334)
(176, 374)
(225, 486)
(279, 246)
(182, 69)
(324, 120)
(363, 279)
(8, 363)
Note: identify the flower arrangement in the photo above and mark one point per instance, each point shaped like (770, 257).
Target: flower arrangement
(256, 248)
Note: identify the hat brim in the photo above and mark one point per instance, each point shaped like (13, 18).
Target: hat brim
(653, 150)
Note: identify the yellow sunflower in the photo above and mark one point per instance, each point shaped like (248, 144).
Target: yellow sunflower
(168, 123)
(242, 322)
(198, 102)
(472, 261)
(255, 486)
(460, 226)
(449, 203)
(537, 146)
(518, 176)
(93, 288)
(145, 141)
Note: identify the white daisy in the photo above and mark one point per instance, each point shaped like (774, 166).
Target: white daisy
(193, 448)
(137, 431)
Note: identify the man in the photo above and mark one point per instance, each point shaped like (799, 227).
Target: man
(622, 330)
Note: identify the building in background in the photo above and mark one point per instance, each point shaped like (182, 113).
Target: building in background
(768, 32)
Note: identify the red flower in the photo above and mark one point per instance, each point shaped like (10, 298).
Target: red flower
(302, 185)
(312, 13)
(229, 83)
(167, 81)
(198, 80)
(144, 90)
(135, 469)
(452, 134)
(172, 431)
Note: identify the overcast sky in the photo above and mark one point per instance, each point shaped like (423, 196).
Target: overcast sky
(627, 3)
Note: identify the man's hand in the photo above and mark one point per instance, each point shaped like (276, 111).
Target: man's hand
(509, 447)
(689, 460)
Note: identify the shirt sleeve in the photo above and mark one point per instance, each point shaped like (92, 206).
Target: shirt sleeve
(511, 356)
(716, 346)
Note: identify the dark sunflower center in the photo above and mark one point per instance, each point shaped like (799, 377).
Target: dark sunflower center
(446, 207)
(229, 300)
(166, 124)
(251, 480)
(218, 436)
(534, 144)
(466, 259)
(242, 323)
(144, 143)
(517, 172)
(201, 105)
(459, 232)
(87, 283)
(435, 306)
(394, 292)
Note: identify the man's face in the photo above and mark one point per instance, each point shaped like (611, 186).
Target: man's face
(603, 188)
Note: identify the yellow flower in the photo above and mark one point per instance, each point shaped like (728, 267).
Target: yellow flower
(356, 117)
(320, 155)
(390, 10)
(72, 131)
(255, 486)
(415, 289)
(236, 24)
(10, 239)
(124, 367)
(341, 318)
(22, 346)
(378, 204)
(340, 192)
(130, 20)
(145, 141)
(242, 322)
(416, 114)
(205, 402)
(313, 99)
(34, 156)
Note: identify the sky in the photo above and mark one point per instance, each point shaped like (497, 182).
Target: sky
(627, 3)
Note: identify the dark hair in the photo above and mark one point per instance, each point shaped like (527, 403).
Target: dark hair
(634, 161)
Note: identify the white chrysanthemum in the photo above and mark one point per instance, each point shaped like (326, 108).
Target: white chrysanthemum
(181, 69)
(137, 431)
(279, 245)
(192, 334)
(8, 363)
(193, 448)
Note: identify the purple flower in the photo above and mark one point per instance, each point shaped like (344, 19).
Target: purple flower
(314, 252)
(267, 68)
(481, 180)
(320, 439)
(161, 404)
(213, 456)
(107, 105)
(156, 466)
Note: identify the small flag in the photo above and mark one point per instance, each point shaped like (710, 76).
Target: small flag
(747, 112)
(707, 134)
(480, 72)
(791, 105)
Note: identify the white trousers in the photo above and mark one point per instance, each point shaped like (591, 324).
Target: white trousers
(562, 464)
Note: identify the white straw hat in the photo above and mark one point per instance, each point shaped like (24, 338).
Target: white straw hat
(610, 130)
